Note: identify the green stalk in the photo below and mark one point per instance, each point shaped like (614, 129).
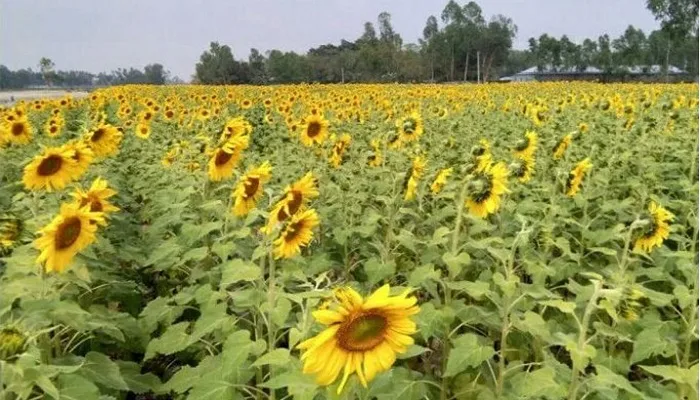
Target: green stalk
(270, 302)
(583, 329)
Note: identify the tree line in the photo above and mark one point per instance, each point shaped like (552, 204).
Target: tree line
(154, 74)
(461, 44)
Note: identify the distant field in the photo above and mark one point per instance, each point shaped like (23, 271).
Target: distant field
(15, 95)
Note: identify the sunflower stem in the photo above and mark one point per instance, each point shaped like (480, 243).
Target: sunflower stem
(271, 307)
(583, 329)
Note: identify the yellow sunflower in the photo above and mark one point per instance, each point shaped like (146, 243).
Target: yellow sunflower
(562, 145)
(225, 159)
(523, 168)
(339, 148)
(573, 183)
(69, 233)
(105, 140)
(362, 336)
(410, 128)
(440, 180)
(10, 232)
(314, 130)
(18, 131)
(82, 154)
(297, 233)
(411, 184)
(236, 127)
(294, 200)
(485, 190)
(96, 198)
(52, 170)
(250, 189)
(143, 130)
(657, 231)
(527, 146)
(170, 157)
(375, 159)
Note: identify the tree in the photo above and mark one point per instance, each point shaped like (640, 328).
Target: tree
(216, 66)
(155, 74)
(679, 20)
(256, 62)
(46, 68)
(429, 32)
(630, 48)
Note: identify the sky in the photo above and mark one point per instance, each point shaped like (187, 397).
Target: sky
(100, 35)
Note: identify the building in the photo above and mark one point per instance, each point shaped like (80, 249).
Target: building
(636, 73)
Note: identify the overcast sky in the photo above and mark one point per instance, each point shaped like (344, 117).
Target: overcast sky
(104, 35)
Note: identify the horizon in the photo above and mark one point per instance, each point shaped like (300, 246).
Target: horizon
(78, 36)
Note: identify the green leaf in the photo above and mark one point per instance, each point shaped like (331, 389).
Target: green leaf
(75, 387)
(238, 270)
(100, 369)
(683, 296)
(293, 378)
(412, 351)
(281, 311)
(275, 357)
(606, 378)
(535, 325)
(455, 263)
(173, 340)
(566, 307)
(674, 373)
(537, 384)
(580, 356)
(182, 381)
(211, 388)
(137, 382)
(651, 342)
(440, 236)
(476, 290)
(467, 352)
(163, 257)
(423, 274)
(196, 254)
(377, 271)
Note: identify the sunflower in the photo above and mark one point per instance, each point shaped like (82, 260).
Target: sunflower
(18, 131)
(440, 180)
(562, 145)
(583, 127)
(657, 231)
(51, 170)
(10, 232)
(96, 198)
(69, 233)
(170, 157)
(481, 156)
(362, 336)
(143, 130)
(522, 168)
(105, 140)
(296, 234)
(410, 128)
(236, 127)
(246, 104)
(314, 130)
(82, 154)
(225, 158)
(250, 189)
(54, 126)
(527, 146)
(485, 190)
(573, 183)
(375, 159)
(411, 184)
(295, 198)
(339, 148)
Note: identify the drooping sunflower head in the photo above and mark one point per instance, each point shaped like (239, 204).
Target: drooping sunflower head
(485, 190)
(11, 229)
(71, 231)
(522, 168)
(12, 342)
(314, 130)
(526, 146)
(250, 189)
(297, 233)
(440, 180)
(561, 146)
(96, 199)
(51, 170)
(657, 229)
(362, 336)
(573, 183)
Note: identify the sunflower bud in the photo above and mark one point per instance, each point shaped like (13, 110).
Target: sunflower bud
(12, 343)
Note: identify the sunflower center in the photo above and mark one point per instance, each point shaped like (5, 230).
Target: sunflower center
(293, 205)
(53, 129)
(144, 130)
(522, 144)
(50, 165)
(68, 233)
(222, 158)
(481, 189)
(95, 204)
(97, 135)
(17, 128)
(251, 186)
(362, 333)
(313, 129)
(409, 126)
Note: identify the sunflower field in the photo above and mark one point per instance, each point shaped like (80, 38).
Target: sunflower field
(519, 241)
